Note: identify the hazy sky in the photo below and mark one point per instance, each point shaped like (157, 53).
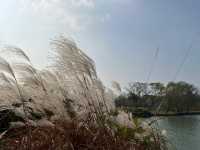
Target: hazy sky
(120, 35)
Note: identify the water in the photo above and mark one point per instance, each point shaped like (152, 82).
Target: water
(182, 132)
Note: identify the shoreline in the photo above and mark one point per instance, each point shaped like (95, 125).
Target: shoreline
(150, 114)
(177, 114)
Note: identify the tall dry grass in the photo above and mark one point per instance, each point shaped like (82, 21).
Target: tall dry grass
(72, 75)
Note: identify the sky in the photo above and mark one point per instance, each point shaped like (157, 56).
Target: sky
(121, 36)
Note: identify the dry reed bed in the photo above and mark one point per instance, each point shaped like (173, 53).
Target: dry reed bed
(70, 135)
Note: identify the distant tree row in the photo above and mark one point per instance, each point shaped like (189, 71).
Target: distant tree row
(172, 97)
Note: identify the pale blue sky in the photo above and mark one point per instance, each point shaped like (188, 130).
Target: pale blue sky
(120, 35)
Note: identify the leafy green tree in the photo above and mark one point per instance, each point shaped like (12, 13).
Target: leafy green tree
(181, 96)
(174, 97)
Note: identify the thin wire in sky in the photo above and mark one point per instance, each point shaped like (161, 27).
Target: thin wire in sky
(152, 65)
(187, 54)
(182, 63)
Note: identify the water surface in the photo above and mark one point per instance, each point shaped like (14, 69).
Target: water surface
(182, 132)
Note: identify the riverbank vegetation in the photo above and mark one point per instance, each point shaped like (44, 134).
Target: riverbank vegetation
(72, 135)
(160, 99)
(65, 106)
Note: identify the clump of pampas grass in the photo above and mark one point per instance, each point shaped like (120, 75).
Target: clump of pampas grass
(69, 94)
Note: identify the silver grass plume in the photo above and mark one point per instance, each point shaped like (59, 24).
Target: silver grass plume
(58, 80)
(6, 81)
(72, 59)
(5, 66)
(116, 86)
(25, 67)
(8, 86)
(17, 51)
(28, 74)
(75, 64)
(50, 76)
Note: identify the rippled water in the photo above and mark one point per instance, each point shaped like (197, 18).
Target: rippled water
(182, 132)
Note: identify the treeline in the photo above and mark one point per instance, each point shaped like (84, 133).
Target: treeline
(174, 97)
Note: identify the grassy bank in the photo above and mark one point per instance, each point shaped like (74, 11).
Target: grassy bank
(142, 112)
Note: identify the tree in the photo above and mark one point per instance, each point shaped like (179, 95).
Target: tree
(157, 88)
(181, 96)
(138, 88)
(174, 97)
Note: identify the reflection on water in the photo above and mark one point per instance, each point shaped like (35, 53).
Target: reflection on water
(182, 132)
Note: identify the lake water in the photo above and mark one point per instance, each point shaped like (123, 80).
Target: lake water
(182, 132)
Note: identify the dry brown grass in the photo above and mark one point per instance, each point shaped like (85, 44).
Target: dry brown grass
(71, 135)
